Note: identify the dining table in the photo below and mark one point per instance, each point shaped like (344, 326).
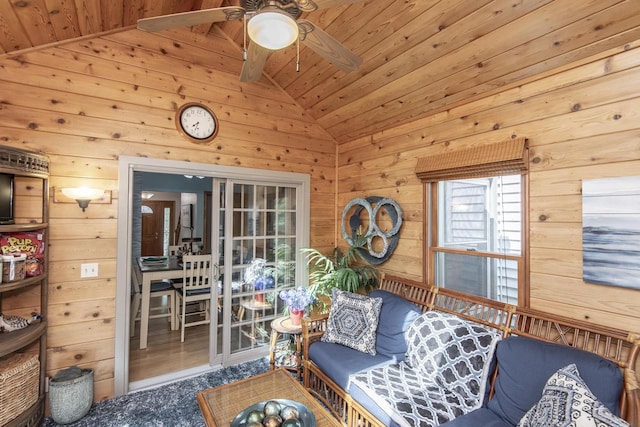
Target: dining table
(152, 269)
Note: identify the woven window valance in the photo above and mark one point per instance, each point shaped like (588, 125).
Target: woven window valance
(503, 158)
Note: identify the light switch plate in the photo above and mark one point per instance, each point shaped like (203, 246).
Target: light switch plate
(89, 270)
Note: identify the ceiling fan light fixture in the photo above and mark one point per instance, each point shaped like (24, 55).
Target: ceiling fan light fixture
(273, 29)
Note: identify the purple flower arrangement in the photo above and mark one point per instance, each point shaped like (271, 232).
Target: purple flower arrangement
(297, 299)
(258, 275)
(264, 282)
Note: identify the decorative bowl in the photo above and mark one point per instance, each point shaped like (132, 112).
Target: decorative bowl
(306, 417)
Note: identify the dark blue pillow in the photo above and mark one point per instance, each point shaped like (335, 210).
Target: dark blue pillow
(396, 315)
(525, 365)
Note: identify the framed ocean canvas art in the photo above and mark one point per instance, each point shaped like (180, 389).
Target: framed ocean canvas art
(611, 231)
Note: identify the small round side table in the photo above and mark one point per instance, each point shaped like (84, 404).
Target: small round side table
(283, 325)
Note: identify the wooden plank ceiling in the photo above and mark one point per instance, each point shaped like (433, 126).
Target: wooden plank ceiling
(420, 56)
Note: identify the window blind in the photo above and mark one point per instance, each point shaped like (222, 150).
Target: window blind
(503, 158)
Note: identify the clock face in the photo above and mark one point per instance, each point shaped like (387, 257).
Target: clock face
(197, 123)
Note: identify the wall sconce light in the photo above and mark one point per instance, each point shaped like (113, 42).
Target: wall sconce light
(83, 195)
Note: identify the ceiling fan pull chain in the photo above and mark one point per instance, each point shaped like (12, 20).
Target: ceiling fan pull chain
(244, 37)
(298, 55)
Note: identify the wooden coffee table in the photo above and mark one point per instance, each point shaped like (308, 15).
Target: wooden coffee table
(220, 405)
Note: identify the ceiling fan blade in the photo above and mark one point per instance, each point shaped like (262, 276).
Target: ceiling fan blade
(187, 19)
(331, 49)
(253, 66)
(323, 4)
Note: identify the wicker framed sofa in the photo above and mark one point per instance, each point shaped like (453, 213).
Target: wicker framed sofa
(511, 372)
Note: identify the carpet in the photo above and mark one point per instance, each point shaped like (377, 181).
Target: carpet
(172, 405)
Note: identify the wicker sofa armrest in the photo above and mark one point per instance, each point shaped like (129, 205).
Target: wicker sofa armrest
(633, 407)
(312, 330)
(632, 386)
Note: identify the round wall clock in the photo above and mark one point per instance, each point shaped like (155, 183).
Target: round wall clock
(197, 123)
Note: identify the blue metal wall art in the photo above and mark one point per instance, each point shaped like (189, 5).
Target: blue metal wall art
(372, 206)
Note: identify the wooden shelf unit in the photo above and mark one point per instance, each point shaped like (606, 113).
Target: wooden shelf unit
(28, 168)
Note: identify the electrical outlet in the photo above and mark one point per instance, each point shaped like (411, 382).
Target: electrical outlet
(89, 270)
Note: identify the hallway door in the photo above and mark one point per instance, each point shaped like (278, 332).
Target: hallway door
(157, 222)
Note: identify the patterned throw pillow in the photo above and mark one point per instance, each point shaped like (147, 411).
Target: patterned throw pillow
(567, 401)
(451, 351)
(353, 321)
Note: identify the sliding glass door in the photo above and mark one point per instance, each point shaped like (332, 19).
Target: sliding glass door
(258, 236)
(244, 217)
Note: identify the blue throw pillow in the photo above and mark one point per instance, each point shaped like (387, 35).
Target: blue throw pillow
(396, 315)
(525, 365)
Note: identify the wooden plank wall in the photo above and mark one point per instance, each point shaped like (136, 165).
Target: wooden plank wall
(582, 123)
(88, 102)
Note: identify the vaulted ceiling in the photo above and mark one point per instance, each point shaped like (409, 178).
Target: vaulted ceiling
(420, 56)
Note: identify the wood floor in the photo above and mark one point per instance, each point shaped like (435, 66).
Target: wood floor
(165, 353)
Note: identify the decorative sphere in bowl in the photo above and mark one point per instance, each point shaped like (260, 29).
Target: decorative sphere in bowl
(289, 414)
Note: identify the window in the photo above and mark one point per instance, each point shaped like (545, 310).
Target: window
(477, 208)
(478, 240)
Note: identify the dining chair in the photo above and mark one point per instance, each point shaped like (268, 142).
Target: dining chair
(195, 288)
(175, 250)
(159, 288)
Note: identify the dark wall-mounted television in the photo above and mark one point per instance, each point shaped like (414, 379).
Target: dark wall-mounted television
(6, 198)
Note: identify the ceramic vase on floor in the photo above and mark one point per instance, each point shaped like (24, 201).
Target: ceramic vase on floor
(296, 316)
(71, 394)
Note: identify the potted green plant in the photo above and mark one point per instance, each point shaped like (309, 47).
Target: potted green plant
(347, 271)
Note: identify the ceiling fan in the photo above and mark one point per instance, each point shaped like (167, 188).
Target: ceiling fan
(270, 25)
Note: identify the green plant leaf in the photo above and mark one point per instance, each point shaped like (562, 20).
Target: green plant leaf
(347, 271)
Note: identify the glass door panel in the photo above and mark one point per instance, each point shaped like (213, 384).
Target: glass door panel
(218, 213)
(261, 233)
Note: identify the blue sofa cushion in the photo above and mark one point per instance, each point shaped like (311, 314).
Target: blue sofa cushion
(338, 361)
(481, 417)
(353, 321)
(396, 315)
(566, 400)
(525, 365)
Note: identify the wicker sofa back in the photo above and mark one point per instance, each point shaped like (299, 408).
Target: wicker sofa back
(619, 346)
